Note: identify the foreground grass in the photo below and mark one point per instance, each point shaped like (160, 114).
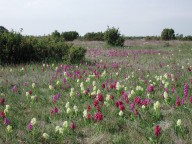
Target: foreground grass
(108, 101)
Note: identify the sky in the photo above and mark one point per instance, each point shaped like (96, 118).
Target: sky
(132, 17)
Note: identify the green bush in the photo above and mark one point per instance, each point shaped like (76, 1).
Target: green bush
(134, 37)
(70, 36)
(98, 36)
(168, 34)
(187, 38)
(113, 37)
(76, 54)
(15, 49)
(3, 29)
(152, 38)
(55, 34)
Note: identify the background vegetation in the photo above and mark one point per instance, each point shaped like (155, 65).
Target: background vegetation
(94, 36)
(113, 37)
(15, 49)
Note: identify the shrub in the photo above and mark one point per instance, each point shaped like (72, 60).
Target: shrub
(3, 29)
(55, 34)
(98, 36)
(134, 37)
(187, 38)
(113, 37)
(179, 36)
(168, 34)
(70, 36)
(76, 54)
(15, 49)
(152, 38)
(48, 48)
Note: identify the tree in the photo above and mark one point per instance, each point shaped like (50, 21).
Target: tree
(70, 35)
(94, 36)
(3, 29)
(168, 34)
(113, 37)
(179, 36)
(56, 34)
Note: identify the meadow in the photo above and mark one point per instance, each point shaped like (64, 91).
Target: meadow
(140, 93)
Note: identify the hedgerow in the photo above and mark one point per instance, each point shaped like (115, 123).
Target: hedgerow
(15, 49)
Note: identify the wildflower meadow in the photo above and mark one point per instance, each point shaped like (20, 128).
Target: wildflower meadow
(133, 94)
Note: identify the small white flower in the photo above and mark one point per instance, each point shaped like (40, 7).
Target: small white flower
(165, 76)
(94, 88)
(33, 85)
(68, 110)
(9, 129)
(93, 93)
(81, 84)
(103, 74)
(65, 73)
(65, 124)
(57, 128)
(6, 111)
(27, 94)
(33, 121)
(132, 92)
(72, 92)
(67, 105)
(22, 69)
(85, 113)
(88, 79)
(50, 87)
(98, 91)
(61, 130)
(165, 95)
(45, 136)
(121, 113)
(75, 108)
(166, 84)
(107, 97)
(118, 86)
(106, 103)
(82, 88)
(179, 122)
(7, 107)
(156, 105)
(57, 83)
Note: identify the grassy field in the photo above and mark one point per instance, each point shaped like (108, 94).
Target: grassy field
(141, 93)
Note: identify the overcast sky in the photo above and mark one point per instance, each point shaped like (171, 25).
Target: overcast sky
(132, 17)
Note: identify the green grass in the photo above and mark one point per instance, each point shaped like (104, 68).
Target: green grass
(129, 128)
